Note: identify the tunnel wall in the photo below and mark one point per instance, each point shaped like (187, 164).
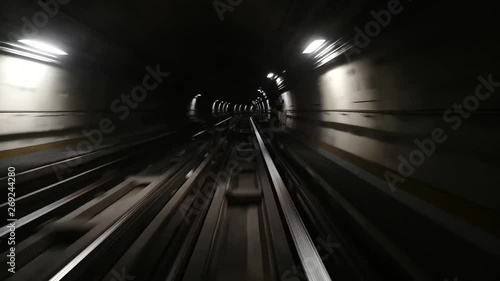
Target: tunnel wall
(42, 102)
(372, 108)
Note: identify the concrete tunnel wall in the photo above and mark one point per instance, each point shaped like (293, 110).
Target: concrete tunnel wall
(41, 102)
(29, 86)
(60, 103)
(374, 107)
(56, 101)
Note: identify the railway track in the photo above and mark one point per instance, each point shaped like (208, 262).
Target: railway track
(217, 211)
(43, 196)
(54, 198)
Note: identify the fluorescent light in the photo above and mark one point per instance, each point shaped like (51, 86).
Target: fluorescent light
(26, 54)
(333, 54)
(44, 47)
(29, 49)
(279, 81)
(270, 75)
(325, 51)
(313, 46)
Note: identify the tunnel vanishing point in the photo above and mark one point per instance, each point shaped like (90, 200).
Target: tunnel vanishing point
(344, 140)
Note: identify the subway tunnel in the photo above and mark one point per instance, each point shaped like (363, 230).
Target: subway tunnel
(249, 140)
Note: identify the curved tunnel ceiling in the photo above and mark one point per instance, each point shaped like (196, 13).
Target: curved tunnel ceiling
(226, 58)
(223, 48)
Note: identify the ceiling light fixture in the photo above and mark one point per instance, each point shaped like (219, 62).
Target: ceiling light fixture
(22, 47)
(27, 55)
(44, 47)
(270, 75)
(313, 46)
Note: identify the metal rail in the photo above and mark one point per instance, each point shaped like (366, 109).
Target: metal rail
(241, 221)
(81, 157)
(131, 215)
(313, 265)
(51, 186)
(217, 124)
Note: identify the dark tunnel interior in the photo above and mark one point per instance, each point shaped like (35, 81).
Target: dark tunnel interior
(249, 140)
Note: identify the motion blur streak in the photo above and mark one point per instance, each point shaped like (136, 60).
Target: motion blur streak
(249, 140)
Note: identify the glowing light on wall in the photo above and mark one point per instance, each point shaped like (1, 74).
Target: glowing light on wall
(279, 80)
(337, 51)
(33, 49)
(27, 54)
(214, 105)
(313, 46)
(326, 51)
(23, 73)
(219, 108)
(44, 47)
(192, 107)
(25, 48)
